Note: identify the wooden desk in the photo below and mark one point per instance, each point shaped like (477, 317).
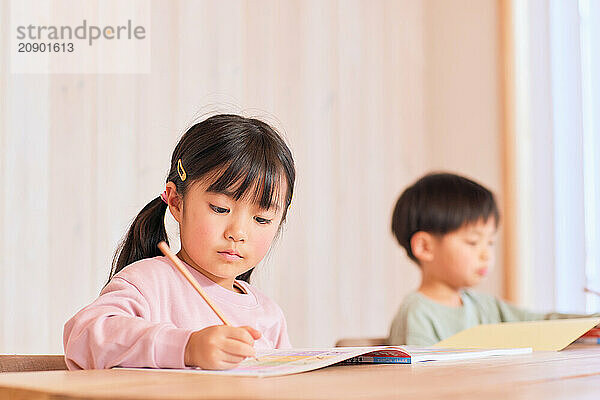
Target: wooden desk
(571, 373)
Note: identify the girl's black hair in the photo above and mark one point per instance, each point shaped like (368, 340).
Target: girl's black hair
(244, 156)
(440, 203)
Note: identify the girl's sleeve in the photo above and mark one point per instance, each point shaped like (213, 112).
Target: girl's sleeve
(283, 340)
(116, 330)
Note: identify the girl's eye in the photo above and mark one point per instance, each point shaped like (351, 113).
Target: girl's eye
(262, 221)
(471, 242)
(219, 210)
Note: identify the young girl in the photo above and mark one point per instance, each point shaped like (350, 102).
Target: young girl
(229, 187)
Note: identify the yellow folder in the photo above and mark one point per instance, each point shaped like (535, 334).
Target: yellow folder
(547, 335)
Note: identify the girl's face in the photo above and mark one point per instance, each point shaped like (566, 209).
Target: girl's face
(222, 237)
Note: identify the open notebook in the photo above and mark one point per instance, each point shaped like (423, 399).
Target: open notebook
(546, 335)
(293, 361)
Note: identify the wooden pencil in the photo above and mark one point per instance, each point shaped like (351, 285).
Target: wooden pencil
(587, 290)
(182, 268)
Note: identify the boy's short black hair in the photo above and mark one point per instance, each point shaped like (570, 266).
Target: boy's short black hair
(440, 203)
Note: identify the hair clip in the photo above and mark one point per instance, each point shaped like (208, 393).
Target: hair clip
(180, 170)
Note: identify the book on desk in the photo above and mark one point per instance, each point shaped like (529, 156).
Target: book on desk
(590, 337)
(544, 335)
(279, 362)
(480, 341)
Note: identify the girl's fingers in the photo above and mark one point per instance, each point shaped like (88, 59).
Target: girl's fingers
(222, 364)
(240, 334)
(253, 332)
(236, 348)
(228, 365)
(231, 358)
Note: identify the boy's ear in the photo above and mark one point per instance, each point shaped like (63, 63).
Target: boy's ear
(174, 202)
(421, 244)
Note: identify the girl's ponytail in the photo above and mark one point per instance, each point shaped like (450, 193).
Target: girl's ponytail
(143, 236)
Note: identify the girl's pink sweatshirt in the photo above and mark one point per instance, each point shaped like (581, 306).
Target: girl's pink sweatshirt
(145, 315)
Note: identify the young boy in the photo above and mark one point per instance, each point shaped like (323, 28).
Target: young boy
(447, 224)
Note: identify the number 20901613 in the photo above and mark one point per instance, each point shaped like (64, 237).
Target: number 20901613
(45, 47)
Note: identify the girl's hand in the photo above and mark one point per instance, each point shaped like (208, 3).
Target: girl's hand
(220, 346)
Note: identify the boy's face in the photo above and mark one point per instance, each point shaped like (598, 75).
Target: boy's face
(463, 257)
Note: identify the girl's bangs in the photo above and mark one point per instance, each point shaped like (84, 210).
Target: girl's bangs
(252, 177)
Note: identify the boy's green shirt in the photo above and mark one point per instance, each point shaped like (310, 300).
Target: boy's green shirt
(423, 322)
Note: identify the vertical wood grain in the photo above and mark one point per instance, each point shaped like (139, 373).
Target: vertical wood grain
(344, 80)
